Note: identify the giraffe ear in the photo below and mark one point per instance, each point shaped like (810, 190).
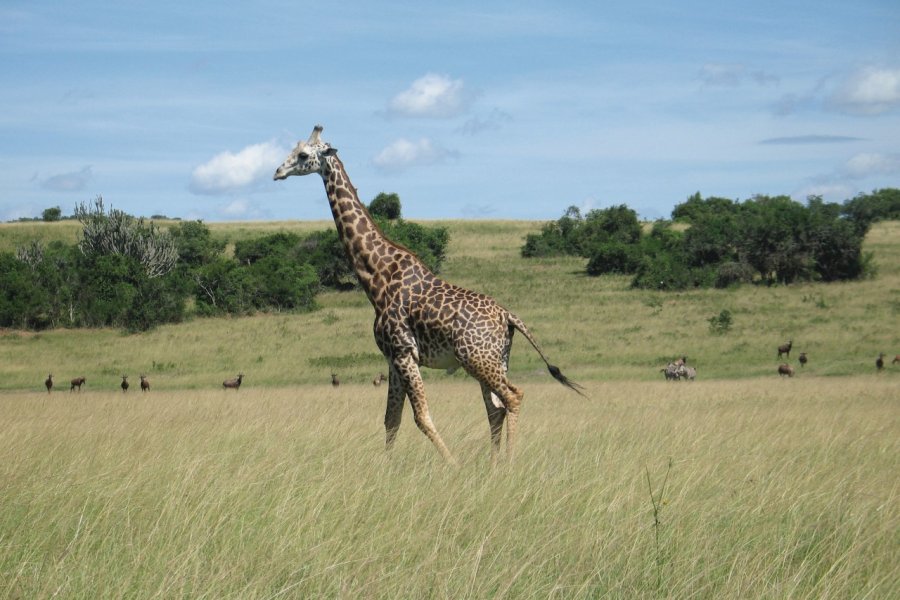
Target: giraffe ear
(330, 152)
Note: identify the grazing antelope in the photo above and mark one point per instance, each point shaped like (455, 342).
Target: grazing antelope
(49, 382)
(334, 380)
(896, 360)
(77, 383)
(785, 369)
(124, 384)
(785, 349)
(803, 359)
(670, 371)
(379, 379)
(233, 383)
(879, 362)
(145, 384)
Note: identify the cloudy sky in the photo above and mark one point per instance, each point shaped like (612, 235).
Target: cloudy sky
(500, 110)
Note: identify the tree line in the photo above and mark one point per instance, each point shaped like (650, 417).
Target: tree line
(126, 272)
(722, 242)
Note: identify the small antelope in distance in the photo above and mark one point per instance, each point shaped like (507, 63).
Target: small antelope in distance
(145, 384)
(334, 380)
(896, 360)
(77, 383)
(785, 369)
(785, 349)
(124, 384)
(49, 382)
(379, 379)
(879, 362)
(803, 359)
(233, 383)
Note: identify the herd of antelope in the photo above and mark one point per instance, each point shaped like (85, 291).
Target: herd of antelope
(676, 370)
(679, 369)
(77, 382)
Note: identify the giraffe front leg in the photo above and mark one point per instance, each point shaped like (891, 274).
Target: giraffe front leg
(408, 372)
(394, 412)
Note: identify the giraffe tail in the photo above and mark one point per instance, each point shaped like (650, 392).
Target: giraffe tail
(517, 323)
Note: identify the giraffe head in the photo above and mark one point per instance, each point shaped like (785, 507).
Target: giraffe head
(307, 157)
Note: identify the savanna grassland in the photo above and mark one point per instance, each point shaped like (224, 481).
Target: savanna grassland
(738, 485)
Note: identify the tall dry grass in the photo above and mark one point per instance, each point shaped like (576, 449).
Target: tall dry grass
(774, 489)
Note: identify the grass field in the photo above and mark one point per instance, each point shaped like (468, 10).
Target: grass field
(765, 489)
(738, 485)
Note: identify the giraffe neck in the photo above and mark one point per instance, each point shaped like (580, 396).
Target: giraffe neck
(374, 258)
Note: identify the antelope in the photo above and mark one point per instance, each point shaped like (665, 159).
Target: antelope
(379, 379)
(879, 362)
(785, 349)
(233, 383)
(785, 369)
(803, 359)
(77, 383)
(334, 380)
(896, 360)
(145, 384)
(124, 384)
(49, 382)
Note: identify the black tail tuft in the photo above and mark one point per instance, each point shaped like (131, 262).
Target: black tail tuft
(557, 375)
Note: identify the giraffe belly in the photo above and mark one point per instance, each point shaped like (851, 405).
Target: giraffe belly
(440, 359)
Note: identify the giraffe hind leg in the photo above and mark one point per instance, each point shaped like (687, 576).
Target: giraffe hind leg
(496, 414)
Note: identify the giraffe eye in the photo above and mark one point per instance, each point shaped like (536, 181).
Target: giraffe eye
(303, 156)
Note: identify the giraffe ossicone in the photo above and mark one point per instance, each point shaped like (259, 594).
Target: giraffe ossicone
(420, 319)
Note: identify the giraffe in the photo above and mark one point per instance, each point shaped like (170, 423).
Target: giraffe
(420, 320)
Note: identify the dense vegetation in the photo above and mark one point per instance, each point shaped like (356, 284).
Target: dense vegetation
(126, 273)
(764, 239)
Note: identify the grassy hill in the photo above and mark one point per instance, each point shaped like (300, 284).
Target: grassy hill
(596, 329)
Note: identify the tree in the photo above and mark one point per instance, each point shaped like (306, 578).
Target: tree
(195, 244)
(51, 214)
(386, 206)
(120, 233)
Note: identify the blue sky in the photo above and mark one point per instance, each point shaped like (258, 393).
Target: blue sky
(499, 110)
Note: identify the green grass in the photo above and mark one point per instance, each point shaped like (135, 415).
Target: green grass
(777, 489)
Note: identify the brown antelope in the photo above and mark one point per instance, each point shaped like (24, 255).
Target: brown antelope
(334, 380)
(49, 382)
(145, 384)
(785, 349)
(233, 383)
(77, 383)
(124, 384)
(896, 360)
(785, 369)
(379, 379)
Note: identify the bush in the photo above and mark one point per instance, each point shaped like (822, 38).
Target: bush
(720, 324)
(385, 206)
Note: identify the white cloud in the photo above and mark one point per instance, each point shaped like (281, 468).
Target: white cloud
(869, 164)
(228, 172)
(68, 182)
(403, 153)
(869, 91)
(430, 96)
